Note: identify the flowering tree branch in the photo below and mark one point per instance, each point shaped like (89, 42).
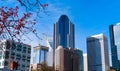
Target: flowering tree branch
(12, 26)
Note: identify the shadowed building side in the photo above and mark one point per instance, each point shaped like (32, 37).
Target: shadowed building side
(115, 45)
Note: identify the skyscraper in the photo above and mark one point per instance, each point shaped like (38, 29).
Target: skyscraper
(115, 45)
(97, 52)
(63, 33)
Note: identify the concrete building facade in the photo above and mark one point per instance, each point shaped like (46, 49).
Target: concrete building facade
(14, 51)
(67, 59)
(85, 62)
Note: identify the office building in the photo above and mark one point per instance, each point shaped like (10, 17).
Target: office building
(50, 53)
(67, 59)
(40, 54)
(85, 62)
(115, 45)
(63, 33)
(81, 61)
(97, 52)
(14, 51)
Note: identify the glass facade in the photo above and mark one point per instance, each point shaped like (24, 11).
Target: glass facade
(115, 45)
(80, 53)
(64, 32)
(97, 51)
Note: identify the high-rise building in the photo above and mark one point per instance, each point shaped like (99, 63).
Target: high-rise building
(97, 52)
(115, 45)
(67, 59)
(14, 51)
(80, 53)
(50, 53)
(63, 33)
(85, 62)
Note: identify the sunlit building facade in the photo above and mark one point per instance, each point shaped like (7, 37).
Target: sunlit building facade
(85, 62)
(97, 53)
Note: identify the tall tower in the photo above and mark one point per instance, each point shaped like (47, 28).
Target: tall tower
(97, 51)
(63, 33)
(115, 45)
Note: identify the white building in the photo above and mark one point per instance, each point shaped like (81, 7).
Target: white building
(14, 51)
(85, 62)
(50, 53)
(97, 53)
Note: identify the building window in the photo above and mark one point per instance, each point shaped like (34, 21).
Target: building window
(19, 47)
(6, 54)
(23, 66)
(13, 46)
(18, 57)
(29, 50)
(23, 58)
(6, 63)
(8, 45)
(24, 49)
(27, 66)
(12, 53)
(28, 59)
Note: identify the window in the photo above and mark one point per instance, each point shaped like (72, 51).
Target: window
(8, 45)
(6, 63)
(19, 47)
(0, 63)
(28, 57)
(23, 66)
(12, 53)
(24, 58)
(18, 57)
(13, 46)
(28, 60)
(6, 54)
(29, 50)
(24, 49)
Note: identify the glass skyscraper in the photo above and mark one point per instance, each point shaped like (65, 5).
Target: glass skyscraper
(115, 45)
(80, 53)
(63, 33)
(97, 52)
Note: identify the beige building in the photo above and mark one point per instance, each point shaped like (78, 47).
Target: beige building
(66, 59)
(85, 62)
(40, 66)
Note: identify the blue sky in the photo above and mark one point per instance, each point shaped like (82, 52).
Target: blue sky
(89, 16)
